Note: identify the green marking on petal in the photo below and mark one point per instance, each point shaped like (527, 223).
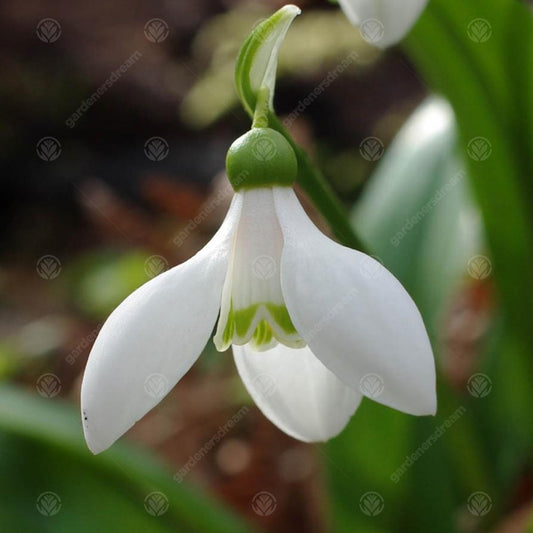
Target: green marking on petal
(282, 318)
(263, 334)
(229, 329)
(243, 319)
(239, 323)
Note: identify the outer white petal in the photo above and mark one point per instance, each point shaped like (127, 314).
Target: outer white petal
(296, 392)
(152, 339)
(394, 18)
(355, 315)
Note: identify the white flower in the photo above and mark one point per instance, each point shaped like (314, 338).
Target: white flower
(309, 320)
(383, 22)
(314, 326)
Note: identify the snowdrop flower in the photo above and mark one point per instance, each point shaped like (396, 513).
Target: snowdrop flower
(313, 325)
(383, 22)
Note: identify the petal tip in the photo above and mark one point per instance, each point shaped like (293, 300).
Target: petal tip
(95, 447)
(99, 434)
(291, 9)
(429, 406)
(98, 440)
(93, 442)
(95, 450)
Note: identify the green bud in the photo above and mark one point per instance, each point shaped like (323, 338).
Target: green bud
(261, 158)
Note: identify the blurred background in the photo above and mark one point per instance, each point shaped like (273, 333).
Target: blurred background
(116, 119)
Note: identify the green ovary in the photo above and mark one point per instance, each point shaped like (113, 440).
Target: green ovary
(275, 326)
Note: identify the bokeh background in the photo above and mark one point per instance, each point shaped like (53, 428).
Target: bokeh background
(116, 118)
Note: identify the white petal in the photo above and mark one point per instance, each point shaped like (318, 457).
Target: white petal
(253, 280)
(355, 315)
(383, 22)
(296, 392)
(152, 339)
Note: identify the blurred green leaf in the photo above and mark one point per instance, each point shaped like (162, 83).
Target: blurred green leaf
(42, 450)
(100, 281)
(491, 98)
(361, 461)
(488, 81)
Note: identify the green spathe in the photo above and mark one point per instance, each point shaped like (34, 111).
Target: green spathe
(261, 158)
(257, 62)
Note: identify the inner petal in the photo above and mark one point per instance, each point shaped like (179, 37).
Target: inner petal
(252, 309)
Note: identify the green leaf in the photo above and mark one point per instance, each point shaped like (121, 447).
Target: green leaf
(492, 99)
(361, 460)
(489, 84)
(99, 281)
(42, 449)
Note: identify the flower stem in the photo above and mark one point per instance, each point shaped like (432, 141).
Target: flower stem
(322, 195)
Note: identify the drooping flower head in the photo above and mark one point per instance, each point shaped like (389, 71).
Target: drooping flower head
(297, 309)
